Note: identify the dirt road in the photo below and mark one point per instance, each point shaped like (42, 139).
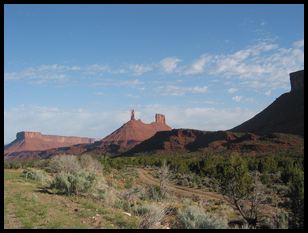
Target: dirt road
(181, 191)
(178, 190)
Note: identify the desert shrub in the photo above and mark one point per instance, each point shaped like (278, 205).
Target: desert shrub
(282, 220)
(88, 163)
(34, 174)
(12, 164)
(196, 218)
(153, 215)
(267, 164)
(164, 174)
(277, 221)
(296, 195)
(68, 183)
(128, 183)
(141, 210)
(110, 197)
(133, 195)
(184, 182)
(153, 193)
(265, 178)
(187, 201)
(61, 182)
(64, 163)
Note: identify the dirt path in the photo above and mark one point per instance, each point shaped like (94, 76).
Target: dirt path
(178, 190)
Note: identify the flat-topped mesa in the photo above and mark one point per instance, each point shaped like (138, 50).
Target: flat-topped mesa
(24, 135)
(160, 118)
(297, 81)
(35, 141)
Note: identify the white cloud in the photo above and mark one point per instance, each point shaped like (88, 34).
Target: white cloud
(95, 69)
(134, 83)
(242, 63)
(179, 91)
(232, 90)
(268, 93)
(169, 64)
(262, 23)
(298, 44)
(140, 69)
(237, 98)
(42, 74)
(198, 89)
(259, 66)
(197, 67)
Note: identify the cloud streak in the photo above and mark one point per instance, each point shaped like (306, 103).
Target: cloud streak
(179, 90)
(262, 65)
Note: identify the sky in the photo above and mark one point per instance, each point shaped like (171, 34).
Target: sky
(78, 70)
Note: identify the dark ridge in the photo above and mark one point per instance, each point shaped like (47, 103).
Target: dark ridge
(284, 115)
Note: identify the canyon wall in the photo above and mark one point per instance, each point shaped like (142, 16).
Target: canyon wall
(297, 81)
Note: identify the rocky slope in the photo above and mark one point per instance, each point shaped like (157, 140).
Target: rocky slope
(131, 133)
(188, 140)
(284, 115)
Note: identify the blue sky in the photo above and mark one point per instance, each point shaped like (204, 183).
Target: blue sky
(79, 69)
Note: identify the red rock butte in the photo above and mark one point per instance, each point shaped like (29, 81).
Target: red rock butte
(35, 141)
(135, 131)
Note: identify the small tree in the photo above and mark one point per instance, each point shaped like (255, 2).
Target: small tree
(164, 174)
(238, 187)
(296, 194)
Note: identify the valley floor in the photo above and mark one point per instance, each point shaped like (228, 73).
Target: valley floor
(28, 204)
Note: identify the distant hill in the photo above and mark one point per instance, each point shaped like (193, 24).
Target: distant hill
(284, 115)
(188, 140)
(126, 137)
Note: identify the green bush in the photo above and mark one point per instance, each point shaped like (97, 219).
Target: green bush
(265, 178)
(141, 210)
(88, 163)
(110, 198)
(196, 218)
(12, 164)
(64, 163)
(34, 174)
(68, 183)
(282, 220)
(296, 195)
(153, 193)
(153, 215)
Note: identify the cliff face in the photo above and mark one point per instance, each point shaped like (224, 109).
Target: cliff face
(297, 81)
(284, 115)
(35, 141)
